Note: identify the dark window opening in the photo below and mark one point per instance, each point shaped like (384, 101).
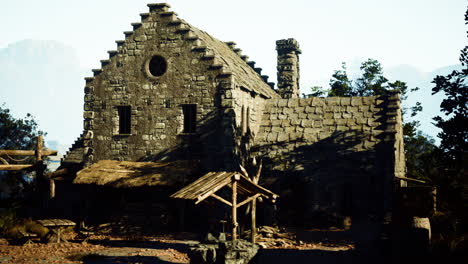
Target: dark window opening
(157, 66)
(190, 118)
(124, 119)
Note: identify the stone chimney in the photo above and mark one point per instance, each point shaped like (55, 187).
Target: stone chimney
(288, 67)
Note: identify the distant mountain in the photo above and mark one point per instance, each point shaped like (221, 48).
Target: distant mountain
(431, 103)
(44, 78)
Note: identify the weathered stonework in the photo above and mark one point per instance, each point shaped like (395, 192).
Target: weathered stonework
(288, 67)
(342, 153)
(200, 70)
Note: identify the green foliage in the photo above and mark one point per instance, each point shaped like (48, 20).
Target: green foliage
(372, 82)
(316, 91)
(340, 85)
(420, 153)
(12, 227)
(454, 134)
(451, 178)
(7, 220)
(17, 133)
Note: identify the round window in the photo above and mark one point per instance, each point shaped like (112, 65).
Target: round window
(157, 66)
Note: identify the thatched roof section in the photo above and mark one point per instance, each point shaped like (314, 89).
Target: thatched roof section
(128, 174)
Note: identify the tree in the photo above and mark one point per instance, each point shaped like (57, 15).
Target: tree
(316, 91)
(17, 133)
(454, 134)
(372, 82)
(451, 180)
(340, 85)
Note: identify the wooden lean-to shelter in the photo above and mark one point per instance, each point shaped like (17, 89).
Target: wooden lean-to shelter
(212, 182)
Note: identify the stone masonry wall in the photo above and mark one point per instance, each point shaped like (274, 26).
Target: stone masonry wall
(342, 151)
(200, 70)
(156, 102)
(248, 109)
(288, 67)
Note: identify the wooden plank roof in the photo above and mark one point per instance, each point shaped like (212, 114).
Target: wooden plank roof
(213, 181)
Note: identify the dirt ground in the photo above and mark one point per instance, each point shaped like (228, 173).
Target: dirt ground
(99, 249)
(167, 248)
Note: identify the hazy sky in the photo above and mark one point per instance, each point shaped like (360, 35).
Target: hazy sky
(427, 34)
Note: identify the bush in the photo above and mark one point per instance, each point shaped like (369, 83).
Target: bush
(12, 227)
(7, 220)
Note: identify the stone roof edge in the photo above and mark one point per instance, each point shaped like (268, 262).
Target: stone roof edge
(216, 51)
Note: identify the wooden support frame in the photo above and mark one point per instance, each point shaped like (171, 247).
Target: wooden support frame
(38, 166)
(221, 199)
(234, 209)
(253, 216)
(39, 153)
(208, 194)
(15, 167)
(12, 152)
(239, 184)
(251, 198)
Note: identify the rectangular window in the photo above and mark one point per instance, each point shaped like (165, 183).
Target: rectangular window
(124, 119)
(190, 118)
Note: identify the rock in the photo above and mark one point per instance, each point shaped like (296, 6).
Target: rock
(203, 253)
(237, 252)
(222, 237)
(210, 238)
(231, 252)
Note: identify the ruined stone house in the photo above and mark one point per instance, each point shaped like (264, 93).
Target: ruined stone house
(173, 92)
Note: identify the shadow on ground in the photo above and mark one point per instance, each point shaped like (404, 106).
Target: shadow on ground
(182, 246)
(305, 256)
(93, 259)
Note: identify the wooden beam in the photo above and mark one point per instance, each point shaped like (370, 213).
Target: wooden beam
(51, 188)
(234, 209)
(221, 199)
(206, 195)
(12, 152)
(57, 173)
(409, 179)
(14, 167)
(39, 146)
(248, 200)
(259, 171)
(253, 227)
(243, 170)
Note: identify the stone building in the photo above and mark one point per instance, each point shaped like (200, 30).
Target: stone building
(173, 92)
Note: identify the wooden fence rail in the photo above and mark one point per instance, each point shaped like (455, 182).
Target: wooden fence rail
(38, 153)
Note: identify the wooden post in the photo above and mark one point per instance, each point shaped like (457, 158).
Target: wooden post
(234, 209)
(253, 230)
(39, 147)
(51, 188)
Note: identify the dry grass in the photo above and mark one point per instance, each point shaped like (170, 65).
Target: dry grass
(124, 174)
(16, 230)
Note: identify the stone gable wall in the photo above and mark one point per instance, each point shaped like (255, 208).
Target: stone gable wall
(156, 112)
